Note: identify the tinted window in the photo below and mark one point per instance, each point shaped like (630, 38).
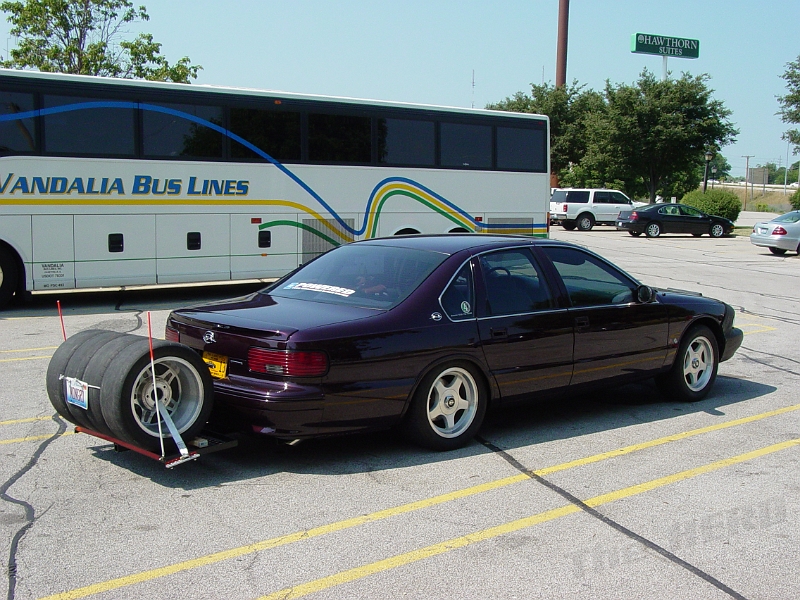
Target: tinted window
(458, 300)
(275, 132)
(17, 135)
(174, 134)
(90, 128)
(513, 283)
(468, 146)
(521, 149)
(360, 275)
(578, 196)
(690, 212)
(339, 138)
(405, 142)
(602, 197)
(618, 198)
(589, 280)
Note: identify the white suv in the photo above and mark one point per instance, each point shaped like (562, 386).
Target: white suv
(584, 208)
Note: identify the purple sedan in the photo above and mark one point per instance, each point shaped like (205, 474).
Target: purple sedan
(427, 332)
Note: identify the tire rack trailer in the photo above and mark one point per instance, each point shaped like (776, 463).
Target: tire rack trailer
(205, 443)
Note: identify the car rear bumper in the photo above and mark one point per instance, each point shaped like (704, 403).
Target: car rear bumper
(774, 241)
(627, 226)
(269, 407)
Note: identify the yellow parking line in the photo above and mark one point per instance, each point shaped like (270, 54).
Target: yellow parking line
(28, 349)
(33, 438)
(760, 328)
(4, 360)
(290, 538)
(28, 420)
(492, 532)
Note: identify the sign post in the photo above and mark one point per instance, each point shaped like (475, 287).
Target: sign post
(665, 46)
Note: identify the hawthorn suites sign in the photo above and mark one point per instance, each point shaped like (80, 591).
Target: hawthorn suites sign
(661, 45)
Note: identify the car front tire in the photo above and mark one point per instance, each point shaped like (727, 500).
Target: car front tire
(695, 367)
(448, 407)
(717, 230)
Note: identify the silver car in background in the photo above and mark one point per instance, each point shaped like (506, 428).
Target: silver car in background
(781, 235)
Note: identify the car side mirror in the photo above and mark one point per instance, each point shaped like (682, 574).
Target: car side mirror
(645, 294)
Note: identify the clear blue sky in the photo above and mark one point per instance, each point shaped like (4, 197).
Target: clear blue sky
(426, 51)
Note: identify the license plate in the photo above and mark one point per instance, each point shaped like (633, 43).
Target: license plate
(77, 392)
(217, 364)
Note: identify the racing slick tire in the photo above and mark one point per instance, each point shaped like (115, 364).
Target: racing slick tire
(182, 382)
(56, 369)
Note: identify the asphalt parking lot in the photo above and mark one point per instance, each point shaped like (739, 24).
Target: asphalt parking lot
(620, 494)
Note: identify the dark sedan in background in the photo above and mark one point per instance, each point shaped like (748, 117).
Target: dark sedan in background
(656, 219)
(426, 332)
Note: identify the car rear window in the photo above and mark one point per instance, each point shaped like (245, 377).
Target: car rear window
(790, 217)
(579, 196)
(360, 275)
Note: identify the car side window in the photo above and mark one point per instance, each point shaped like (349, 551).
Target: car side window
(514, 283)
(601, 198)
(458, 299)
(618, 198)
(589, 280)
(690, 212)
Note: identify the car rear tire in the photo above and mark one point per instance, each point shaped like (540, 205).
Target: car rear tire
(585, 222)
(568, 225)
(695, 367)
(653, 230)
(447, 408)
(780, 251)
(183, 383)
(717, 230)
(635, 233)
(8, 277)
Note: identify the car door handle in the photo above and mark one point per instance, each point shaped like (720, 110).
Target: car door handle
(499, 333)
(581, 323)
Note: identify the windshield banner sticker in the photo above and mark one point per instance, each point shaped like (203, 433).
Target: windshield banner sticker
(320, 287)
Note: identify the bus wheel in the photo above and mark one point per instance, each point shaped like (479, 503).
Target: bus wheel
(8, 277)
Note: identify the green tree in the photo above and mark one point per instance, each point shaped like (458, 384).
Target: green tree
(86, 37)
(567, 107)
(790, 103)
(653, 135)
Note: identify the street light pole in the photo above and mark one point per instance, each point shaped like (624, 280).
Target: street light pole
(709, 156)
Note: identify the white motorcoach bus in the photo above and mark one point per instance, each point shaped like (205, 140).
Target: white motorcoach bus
(107, 182)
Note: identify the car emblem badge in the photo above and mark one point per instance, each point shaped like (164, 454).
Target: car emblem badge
(436, 316)
(449, 402)
(209, 337)
(466, 308)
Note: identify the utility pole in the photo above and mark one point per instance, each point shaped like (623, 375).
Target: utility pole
(561, 56)
(746, 177)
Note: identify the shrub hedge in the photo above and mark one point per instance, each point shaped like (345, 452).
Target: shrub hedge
(794, 200)
(715, 202)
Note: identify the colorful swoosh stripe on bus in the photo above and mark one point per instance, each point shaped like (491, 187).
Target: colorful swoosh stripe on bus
(386, 189)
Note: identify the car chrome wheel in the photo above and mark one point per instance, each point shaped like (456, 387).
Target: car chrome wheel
(177, 385)
(698, 364)
(653, 230)
(452, 402)
(717, 230)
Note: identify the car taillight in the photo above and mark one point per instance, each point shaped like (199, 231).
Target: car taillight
(287, 363)
(634, 216)
(564, 208)
(779, 231)
(172, 335)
